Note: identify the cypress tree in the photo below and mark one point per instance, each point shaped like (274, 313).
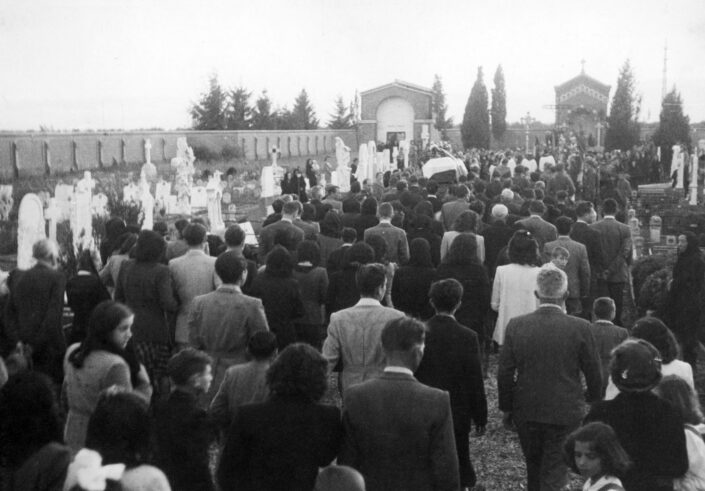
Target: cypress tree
(475, 130)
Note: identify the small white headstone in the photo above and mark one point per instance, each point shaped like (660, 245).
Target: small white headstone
(30, 228)
(82, 216)
(147, 204)
(214, 194)
(199, 197)
(99, 205)
(6, 201)
(64, 197)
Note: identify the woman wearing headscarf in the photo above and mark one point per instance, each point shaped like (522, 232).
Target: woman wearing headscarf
(685, 302)
(413, 281)
(329, 238)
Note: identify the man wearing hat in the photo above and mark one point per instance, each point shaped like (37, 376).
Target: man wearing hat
(649, 428)
(539, 383)
(496, 235)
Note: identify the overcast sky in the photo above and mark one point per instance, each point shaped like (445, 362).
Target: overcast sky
(93, 64)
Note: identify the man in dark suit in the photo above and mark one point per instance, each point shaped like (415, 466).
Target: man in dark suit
(283, 232)
(616, 240)
(497, 236)
(607, 335)
(538, 380)
(451, 362)
(581, 232)
(34, 309)
(398, 432)
(577, 268)
(336, 259)
(542, 230)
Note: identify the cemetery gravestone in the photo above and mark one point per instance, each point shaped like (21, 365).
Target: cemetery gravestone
(30, 228)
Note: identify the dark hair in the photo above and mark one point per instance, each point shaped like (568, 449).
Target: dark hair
(299, 372)
(262, 345)
(309, 250)
(355, 186)
(653, 330)
(424, 208)
(29, 417)
(229, 267)
(379, 245)
(401, 186)
(537, 206)
(523, 248)
(85, 262)
(104, 319)
(466, 222)
(420, 253)
(402, 334)
(187, 363)
(161, 227)
(279, 263)
(461, 191)
(583, 207)
(676, 390)
(181, 224)
(446, 294)
(604, 442)
(277, 205)
(330, 225)
(349, 235)
(462, 251)
(369, 207)
(478, 206)
(563, 225)
(351, 205)
(114, 228)
(149, 247)
(369, 278)
(358, 254)
(609, 206)
(309, 213)
(194, 234)
(125, 243)
(604, 308)
(119, 429)
(234, 236)
(432, 186)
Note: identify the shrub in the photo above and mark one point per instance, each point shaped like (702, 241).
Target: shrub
(205, 154)
(646, 266)
(654, 293)
(230, 152)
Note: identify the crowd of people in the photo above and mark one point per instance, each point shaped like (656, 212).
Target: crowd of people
(183, 348)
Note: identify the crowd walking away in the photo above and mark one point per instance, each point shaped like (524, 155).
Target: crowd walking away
(356, 346)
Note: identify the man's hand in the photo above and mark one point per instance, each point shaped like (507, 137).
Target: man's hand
(508, 421)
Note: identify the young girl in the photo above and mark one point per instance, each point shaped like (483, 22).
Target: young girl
(595, 453)
(676, 390)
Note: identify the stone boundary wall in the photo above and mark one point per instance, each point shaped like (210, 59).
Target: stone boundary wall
(36, 154)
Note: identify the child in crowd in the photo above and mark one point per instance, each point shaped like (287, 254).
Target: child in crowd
(676, 390)
(595, 453)
(559, 257)
(245, 383)
(183, 429)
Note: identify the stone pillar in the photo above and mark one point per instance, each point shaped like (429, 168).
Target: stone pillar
(74, 161)
(15, 158)
(123, 151)
(101, 164)
(288, 146)
(255, 146)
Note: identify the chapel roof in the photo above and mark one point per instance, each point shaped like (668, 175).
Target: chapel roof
(401, 84)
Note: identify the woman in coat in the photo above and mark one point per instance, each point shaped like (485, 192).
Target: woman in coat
(313, 285)
(412, 282)
(281, 443)
(280, 295)
(685, 298)
(104, 359)
(462, 264)
(144, 285)
(84, 291)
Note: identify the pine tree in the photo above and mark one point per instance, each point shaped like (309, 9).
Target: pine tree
(475, 130)
(440, 108)
(283, 119)
(673, 126)
(623, 126)
(499, 105)
(262, 117)
(239, 112)
(209, 113)
(341, 118)
(303, 114)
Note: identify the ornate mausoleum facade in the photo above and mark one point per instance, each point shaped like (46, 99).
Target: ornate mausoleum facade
(395, 112)
(581, 106)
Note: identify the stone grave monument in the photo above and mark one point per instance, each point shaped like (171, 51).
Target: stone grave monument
(183, 164)
(30, 228)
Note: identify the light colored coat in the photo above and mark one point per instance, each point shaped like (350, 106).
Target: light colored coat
(513, 295)
(193, 274)
(354, 338)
